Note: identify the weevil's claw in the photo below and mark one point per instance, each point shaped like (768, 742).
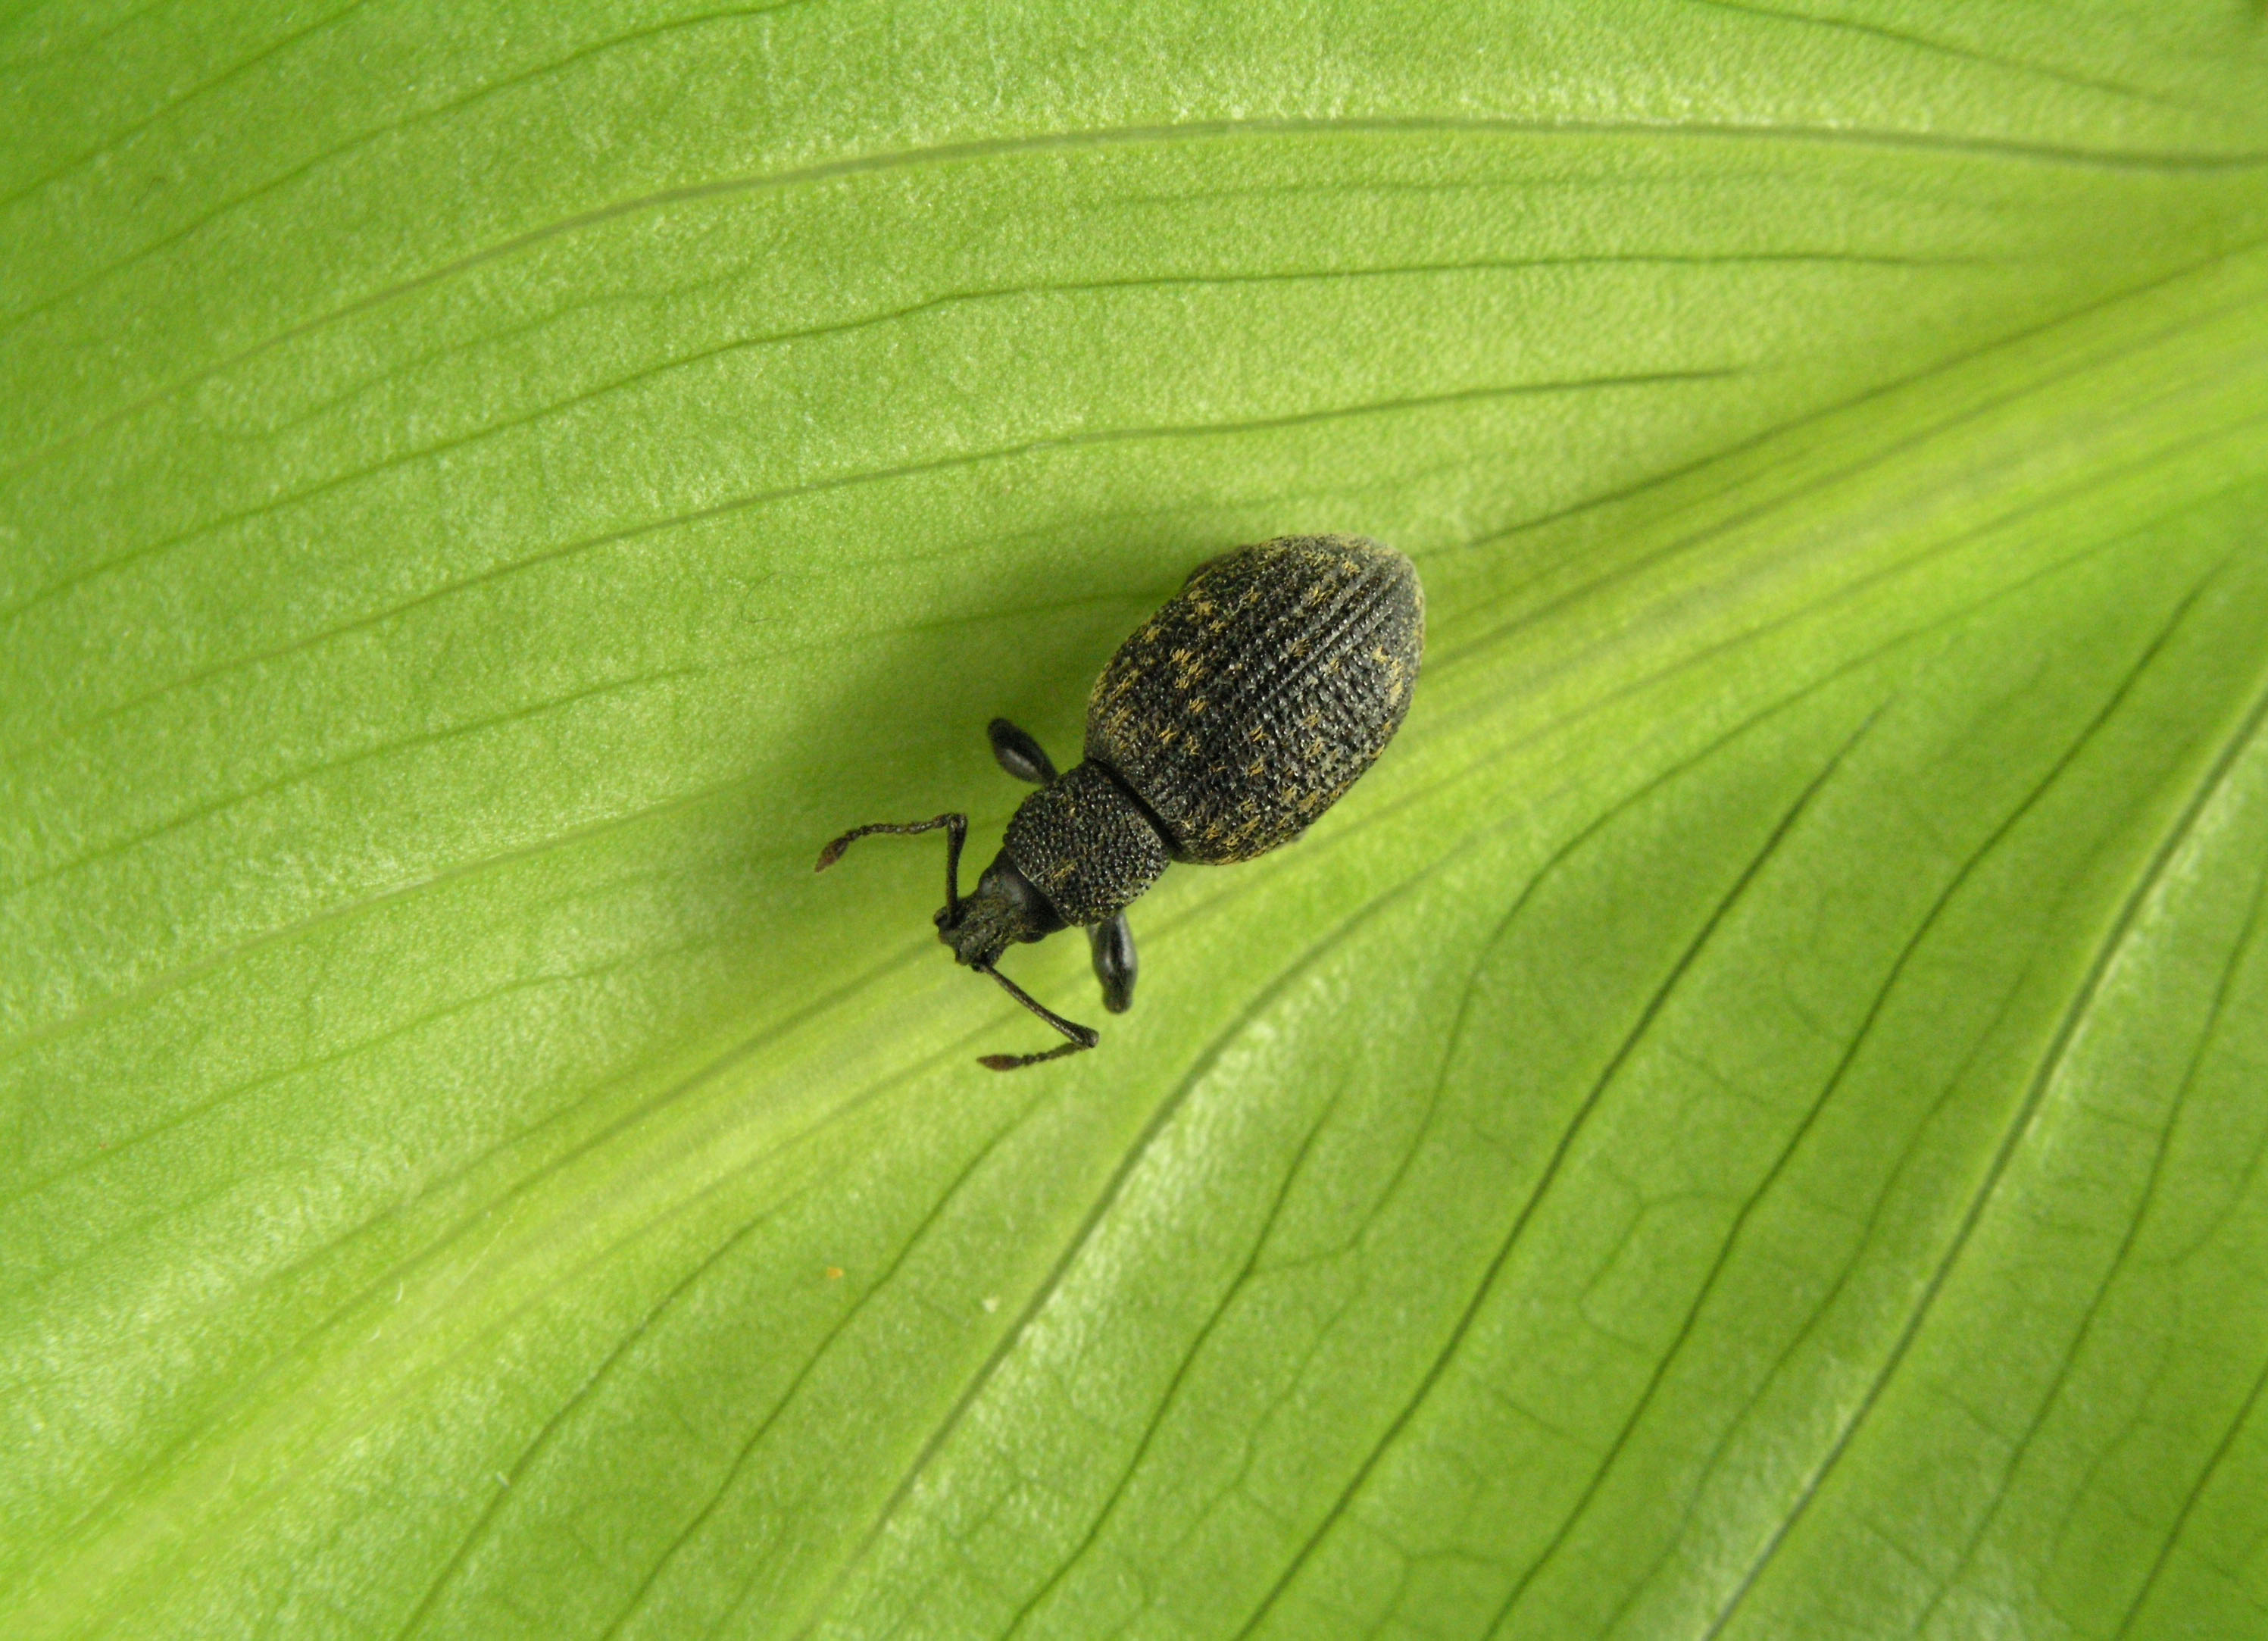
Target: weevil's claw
(832, 853)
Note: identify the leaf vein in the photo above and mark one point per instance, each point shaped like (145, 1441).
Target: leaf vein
(941, 302)
(1907, 952)
(302, 776)
(1923, 42)
(364, 139)
(2066, 1031)
(914, 469)
(1560, 1151)
(1100, 1518)
(2164, 161)
(111, 143)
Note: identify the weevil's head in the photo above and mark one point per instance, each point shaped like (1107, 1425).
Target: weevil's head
(1003, 909)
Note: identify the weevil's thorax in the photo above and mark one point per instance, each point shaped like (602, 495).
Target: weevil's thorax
(1085, 844)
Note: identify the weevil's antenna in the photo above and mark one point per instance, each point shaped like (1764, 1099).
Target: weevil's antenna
(1081, 1036)
(957, 833)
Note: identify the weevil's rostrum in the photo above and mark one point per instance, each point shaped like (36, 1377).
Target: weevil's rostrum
(1235, 716)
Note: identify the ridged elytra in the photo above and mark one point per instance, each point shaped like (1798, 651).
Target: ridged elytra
(1229, 722)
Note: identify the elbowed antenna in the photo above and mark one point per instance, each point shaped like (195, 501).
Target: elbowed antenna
(957, 833)
(1081, 1036)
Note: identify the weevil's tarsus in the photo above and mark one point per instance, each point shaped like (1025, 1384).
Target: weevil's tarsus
(1020, 753)
(1081, 1036)
(1112, 943)
(957, 833)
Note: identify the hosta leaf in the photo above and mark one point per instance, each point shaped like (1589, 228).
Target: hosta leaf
(1747, 1122)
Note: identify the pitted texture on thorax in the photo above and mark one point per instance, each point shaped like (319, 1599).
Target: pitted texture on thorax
(1085, 845)
(1244, 708)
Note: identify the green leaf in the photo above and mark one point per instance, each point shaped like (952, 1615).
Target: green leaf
(1747, 1122)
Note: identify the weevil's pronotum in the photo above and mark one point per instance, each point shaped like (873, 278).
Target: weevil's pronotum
(1223, 728)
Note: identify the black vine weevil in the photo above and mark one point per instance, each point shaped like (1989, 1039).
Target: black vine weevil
(1224, 726)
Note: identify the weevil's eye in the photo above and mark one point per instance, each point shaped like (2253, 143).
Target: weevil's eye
(944, 919)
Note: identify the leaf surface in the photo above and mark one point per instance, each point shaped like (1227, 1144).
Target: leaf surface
(1746, 1124)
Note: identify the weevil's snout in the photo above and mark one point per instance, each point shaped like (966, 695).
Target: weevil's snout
(976, 933)
(954, 927)
(1003, 909)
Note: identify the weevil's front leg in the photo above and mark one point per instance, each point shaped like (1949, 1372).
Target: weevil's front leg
(1019, 754)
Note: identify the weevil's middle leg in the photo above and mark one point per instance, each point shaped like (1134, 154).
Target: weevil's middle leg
(1112, 943)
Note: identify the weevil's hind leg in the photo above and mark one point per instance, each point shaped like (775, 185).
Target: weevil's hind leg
(1019, 754)
(1081, 1036)
(957, 833)
(1113, 944)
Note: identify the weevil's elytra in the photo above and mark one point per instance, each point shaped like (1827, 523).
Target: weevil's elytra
(1248, 705)
(1222, 729)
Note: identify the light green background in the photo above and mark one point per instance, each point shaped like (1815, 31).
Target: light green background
(1748, 1122)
